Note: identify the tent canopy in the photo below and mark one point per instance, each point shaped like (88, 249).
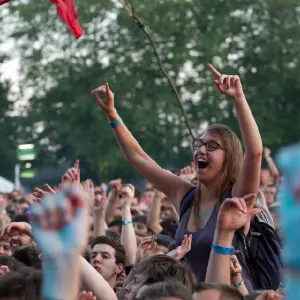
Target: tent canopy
(6, 186)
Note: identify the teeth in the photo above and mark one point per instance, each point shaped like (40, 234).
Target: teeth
(202, 159)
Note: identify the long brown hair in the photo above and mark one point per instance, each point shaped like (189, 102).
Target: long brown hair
(232, 163)
(233, 155)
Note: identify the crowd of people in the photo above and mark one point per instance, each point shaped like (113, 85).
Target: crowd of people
(209, 231)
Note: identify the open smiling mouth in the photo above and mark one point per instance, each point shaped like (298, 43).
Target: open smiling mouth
(202, 163)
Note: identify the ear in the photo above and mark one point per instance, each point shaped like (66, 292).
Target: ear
(119, 269)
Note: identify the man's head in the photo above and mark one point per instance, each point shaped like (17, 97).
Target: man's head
(24, 284)
(158, 268)
(22, 206)
(29, 256)
(146, 198)
(5, 248)
(214, 291)
(12, 263)
(270, 193)
(166, 290)
(108, 258)
(21, 239)
(265, 177)
(140, 225)
(115, 225)
(163, 243)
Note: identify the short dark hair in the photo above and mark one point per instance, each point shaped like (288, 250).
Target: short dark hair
(22, 201)
(140, 219)
(20, 218)
(115, 222)
(119, 249)
(226, 291)
(9, 261)
(29, 256)
(164, 289)
(113, 235)
(162, 267)
(25, 284)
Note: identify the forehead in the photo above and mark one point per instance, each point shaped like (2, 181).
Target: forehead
(4, 243)
(104, 248)
(207, 136)
(207, 294)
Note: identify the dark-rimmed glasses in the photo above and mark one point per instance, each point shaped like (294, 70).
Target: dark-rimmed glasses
(209, 145)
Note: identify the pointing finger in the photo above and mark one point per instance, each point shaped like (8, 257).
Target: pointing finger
(214, 71)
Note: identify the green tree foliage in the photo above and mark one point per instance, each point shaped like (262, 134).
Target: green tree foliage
(258, 40)
(8, 126)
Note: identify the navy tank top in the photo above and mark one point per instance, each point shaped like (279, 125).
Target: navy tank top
(198, 257)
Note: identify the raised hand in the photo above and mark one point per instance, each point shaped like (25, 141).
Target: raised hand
(267, 152)
(108, 103)
(235, 270)
(127, 194)
(72, 175)
(16, 228)
(88, 186)
(38, 193)
(229, 85)
(146, 248)
(269, 295)
(181, 251)
(3, 270)
(115, 185)
(100, 201)
(188, 173)
(234, 213)
(86, 296)
(60, 221)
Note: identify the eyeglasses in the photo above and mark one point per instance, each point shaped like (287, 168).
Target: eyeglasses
(210, 145)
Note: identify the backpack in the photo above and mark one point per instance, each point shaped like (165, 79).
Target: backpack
(259, 253)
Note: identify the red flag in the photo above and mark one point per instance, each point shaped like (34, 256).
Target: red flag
(4, 1)
(67, 12)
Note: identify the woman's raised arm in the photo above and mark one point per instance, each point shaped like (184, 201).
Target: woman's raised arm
(170, 184)
(248, 179)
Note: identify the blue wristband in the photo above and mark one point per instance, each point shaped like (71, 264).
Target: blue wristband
(115, 124)
(124, 223)
(222, 250)
(238, 284)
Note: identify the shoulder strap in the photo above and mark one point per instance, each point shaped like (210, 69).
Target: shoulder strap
(189, 197)
(227, 194)
(187, 201)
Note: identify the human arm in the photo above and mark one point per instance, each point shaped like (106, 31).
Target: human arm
(145, 249)
(128, 238)
(271, 165)
(236, 276)
(249, 175)
(4, 218)
(234, 214)
(181, 251)
(113, 199)
(60, 226)
(99, 206)
(170, 184)
(94, 282)
(153, 217)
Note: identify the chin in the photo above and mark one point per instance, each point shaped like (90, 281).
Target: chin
(206, 177)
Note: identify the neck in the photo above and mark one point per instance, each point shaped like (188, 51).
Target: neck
(112, 281)
(209, 192)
